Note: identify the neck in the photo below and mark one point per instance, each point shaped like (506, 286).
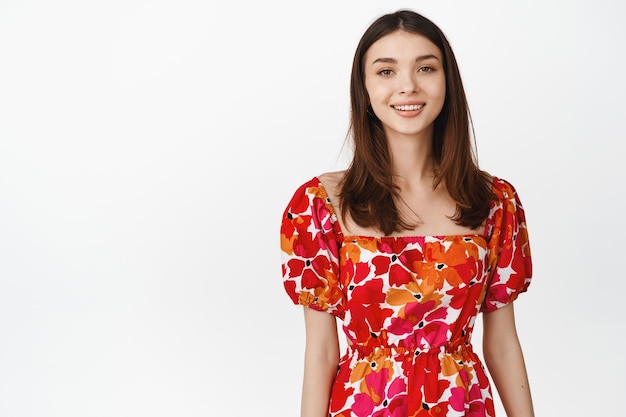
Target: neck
(412, 159)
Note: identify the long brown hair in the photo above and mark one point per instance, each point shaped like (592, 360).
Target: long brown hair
(368, 192)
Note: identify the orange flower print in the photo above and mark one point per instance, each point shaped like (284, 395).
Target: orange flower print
(408, 304)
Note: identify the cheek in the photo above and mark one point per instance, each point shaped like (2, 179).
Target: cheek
(377, 97)
(442, 88)
(375, 91)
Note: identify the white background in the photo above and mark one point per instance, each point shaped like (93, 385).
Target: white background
(148, 148)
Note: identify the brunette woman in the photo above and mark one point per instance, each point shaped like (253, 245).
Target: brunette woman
(407, 246)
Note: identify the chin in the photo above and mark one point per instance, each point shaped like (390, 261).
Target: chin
(415, 131)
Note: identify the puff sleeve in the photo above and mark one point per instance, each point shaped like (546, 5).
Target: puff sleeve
(309, 240)
(509, 250)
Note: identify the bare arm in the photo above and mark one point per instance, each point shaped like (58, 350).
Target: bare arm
(505, 361)
(321, 358)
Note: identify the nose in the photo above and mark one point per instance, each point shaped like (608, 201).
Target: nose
(407, 83)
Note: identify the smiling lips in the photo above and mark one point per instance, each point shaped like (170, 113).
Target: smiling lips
(409, 107)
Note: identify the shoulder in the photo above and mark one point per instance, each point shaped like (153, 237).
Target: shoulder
(503, 189)
(317, 193)
(310, 211)
(328, 182)
(505, 208)
(331, 181)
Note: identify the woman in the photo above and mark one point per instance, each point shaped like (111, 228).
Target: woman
(407, 246)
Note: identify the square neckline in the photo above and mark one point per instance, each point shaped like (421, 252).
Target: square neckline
(410, 238)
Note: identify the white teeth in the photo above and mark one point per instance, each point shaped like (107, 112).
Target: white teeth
(410, 107)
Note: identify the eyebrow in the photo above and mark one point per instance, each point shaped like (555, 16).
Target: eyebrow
(395, 61)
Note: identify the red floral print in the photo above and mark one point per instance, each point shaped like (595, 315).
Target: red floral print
(408, 304)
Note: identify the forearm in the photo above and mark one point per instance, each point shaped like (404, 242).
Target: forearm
(508, 372)
(321, 357)
(319, 373)
(505, 362)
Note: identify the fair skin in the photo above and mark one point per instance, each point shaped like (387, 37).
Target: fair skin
(321, 356)
(405, 81)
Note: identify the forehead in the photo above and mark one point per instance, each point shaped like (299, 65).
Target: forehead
(401, 45)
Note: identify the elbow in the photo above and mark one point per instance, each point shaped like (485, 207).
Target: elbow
(502, 354)
(491, 358)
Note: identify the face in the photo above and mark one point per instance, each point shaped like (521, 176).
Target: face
(406, 83)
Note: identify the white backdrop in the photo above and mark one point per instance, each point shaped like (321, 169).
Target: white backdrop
(148, 148)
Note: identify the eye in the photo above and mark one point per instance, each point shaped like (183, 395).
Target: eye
(425, 68)
(385, 72)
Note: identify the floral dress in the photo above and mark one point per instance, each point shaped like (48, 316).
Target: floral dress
(408, 304)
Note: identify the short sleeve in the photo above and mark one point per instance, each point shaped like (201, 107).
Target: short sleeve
(310, 251)
(509, 249)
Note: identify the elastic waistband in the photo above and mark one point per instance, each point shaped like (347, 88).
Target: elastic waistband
(459, 347)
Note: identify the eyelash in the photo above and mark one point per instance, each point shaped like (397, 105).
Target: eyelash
(387, 72)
